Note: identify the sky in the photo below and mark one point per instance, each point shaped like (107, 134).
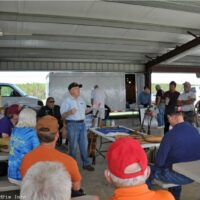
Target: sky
(23, 77)
(40, 77)
(177, 77)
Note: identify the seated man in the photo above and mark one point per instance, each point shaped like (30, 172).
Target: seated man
(54, 110)
(145, 97)
(46, 180)
(180, 144)
(128, 170)
(7, 123)
(47, 129)
(9, 120)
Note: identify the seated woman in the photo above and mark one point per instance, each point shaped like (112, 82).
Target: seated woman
(23, 139)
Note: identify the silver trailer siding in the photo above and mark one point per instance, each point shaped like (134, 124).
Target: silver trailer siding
(113, 83)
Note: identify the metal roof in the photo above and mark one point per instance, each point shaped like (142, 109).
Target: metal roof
(122, 32)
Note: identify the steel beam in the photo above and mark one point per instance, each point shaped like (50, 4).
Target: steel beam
(175, 69)
(174, 53)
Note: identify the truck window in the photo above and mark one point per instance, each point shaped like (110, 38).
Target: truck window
(6, 91)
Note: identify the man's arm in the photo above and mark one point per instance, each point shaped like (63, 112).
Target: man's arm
(64, 110)
(67, 113)
(158, 99)
(189, 101)
(76, 185)
(5, 134)
(163, 151)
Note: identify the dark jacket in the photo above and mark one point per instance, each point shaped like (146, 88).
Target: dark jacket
(45, 110)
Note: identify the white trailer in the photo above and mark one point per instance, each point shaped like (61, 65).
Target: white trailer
(113, 83)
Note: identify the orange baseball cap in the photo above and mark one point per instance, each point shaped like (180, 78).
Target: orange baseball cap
(47, 124)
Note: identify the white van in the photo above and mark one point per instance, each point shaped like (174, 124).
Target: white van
(11, 94)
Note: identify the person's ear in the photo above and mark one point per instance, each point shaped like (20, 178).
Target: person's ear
(107, 175)
(133, 168)
(168, 117)
(57, 136)
(148, 171)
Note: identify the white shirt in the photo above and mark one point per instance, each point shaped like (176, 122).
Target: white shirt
(187, 96)
(72, 102)
(98, 97)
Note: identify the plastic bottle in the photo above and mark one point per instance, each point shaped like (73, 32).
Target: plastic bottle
(113, 123)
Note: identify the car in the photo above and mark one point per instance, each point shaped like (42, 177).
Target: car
(11, 94)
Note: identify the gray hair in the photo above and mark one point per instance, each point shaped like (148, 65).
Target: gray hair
(27, 118)
(158, 87)
(46, 181)
(119, 182)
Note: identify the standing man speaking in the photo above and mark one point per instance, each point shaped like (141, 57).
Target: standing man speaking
(73, 111)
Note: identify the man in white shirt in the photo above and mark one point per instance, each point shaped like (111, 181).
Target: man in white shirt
(73, 111)
(186, 102)
(98, 103)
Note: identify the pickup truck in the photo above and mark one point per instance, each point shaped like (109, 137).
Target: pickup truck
(11, 94)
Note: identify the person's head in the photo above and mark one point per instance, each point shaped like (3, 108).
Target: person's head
(50, 102)
(175, 116)
(47, 129)
(96, 86)
(158, 87)
(187, 87)
(74, 89)
(146, 90)
(12, 112)
(27, 118)
(172, 86)
(127, 163)
(46, 180)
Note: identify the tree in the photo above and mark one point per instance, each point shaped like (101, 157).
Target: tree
(33, 89)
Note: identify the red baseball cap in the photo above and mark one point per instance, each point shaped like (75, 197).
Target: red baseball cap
(13, 109)
(123, 153)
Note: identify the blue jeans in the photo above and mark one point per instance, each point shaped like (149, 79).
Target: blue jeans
(160, 115)
(167, 175)
(78, 136)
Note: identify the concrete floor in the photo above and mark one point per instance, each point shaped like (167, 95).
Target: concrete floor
(95, 183)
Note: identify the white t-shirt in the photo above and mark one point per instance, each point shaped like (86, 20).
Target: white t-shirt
(187, 96)
(98, 96)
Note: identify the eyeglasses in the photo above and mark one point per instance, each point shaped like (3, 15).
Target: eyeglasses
(51, 101)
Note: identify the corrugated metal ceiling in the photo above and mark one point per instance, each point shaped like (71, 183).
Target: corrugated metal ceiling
(104, 31)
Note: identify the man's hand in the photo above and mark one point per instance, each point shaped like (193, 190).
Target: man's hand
(70, 112)
(73, 111)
